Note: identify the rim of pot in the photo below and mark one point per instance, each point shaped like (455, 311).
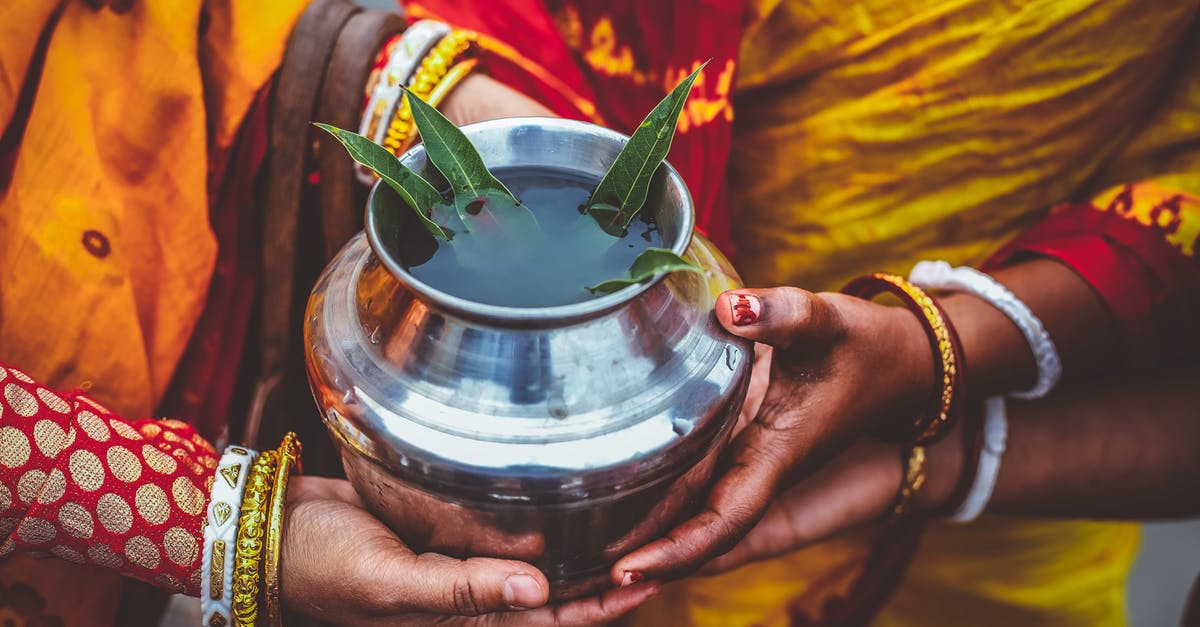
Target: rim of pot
(560, 314)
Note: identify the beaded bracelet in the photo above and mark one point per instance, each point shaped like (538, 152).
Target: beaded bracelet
(972, 449)
(940, 275)
(445, 57)
(383, 90)
(247, 572)
(220, 530)
(289, 457)
(932, 426)
(453, 77)
(400, 133)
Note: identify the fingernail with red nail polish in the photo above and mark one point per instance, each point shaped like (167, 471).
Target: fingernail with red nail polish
(630, 578)
(745, 308)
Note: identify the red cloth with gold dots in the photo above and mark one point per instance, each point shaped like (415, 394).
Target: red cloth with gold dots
(85, 485)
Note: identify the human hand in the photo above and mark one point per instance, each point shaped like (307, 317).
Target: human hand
(480, 97)
(841, 367)
(856, 487)
(342, 565)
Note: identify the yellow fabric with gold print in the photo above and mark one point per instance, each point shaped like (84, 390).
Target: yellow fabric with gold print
(872, 134)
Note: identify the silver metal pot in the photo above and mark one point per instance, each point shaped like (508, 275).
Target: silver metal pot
(564, 436)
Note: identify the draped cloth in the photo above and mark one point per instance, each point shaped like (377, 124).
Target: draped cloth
(866, 136)
(119, 120)
(624, 79)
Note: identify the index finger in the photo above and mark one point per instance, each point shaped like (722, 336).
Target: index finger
(735, 504)
(597, 610)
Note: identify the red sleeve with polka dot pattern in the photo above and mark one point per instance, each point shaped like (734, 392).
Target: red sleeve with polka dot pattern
(85, 485)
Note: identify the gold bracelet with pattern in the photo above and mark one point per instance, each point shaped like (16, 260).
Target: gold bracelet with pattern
(928, 427)
(913, 459)
(434, 69)
(289, 456)
(248, 557)
(450, 81)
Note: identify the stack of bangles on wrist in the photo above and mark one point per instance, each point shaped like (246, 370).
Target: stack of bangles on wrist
(430, 59)
(986, 432)
(983, 464)
(242, 535)
(929, 426)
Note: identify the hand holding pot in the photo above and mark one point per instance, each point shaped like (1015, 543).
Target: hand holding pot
(841, 367)
(344, 566)
(855, 488)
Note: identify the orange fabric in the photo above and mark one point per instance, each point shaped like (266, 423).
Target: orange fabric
(110, 118)
(108, 195)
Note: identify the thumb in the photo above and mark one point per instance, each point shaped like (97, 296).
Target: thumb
(435, 583)
(782, 317)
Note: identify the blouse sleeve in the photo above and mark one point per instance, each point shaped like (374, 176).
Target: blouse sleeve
(1137, 246)
(85, 485)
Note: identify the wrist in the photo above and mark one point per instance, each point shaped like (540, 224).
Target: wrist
(915, 359)
(944, 468)
(917, 384)
(462, 105)
(999, 356)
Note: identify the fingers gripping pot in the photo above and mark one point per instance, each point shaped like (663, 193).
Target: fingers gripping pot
(564, 436)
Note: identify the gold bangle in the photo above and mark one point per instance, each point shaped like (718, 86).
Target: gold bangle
(451, 80)
(248, 555)
(914, 479)
(439, 60)
(401, 133)
(927, 427)
(289, 456)
(434, 69)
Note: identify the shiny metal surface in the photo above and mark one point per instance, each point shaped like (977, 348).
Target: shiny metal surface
(564, 436)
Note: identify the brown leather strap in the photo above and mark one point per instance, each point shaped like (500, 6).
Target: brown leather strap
(293, 107)
(342, 195)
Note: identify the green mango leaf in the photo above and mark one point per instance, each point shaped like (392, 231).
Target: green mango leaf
(623, 191)
(648, 264)
(415, 191)
(482, 201)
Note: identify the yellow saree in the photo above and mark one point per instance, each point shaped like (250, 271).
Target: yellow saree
(873, 134)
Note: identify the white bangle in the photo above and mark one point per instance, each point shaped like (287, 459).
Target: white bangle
(939, 275)
(220, 531)
(995, 439)
(410, 51)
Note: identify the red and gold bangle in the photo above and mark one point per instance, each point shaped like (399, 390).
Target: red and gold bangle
(447, 63)
(376, 104)
(931, 426)
(973, 442)
(913, 459)
(379, 65)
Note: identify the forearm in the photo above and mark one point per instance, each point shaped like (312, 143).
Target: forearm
(998, 356)
(1120, 450)
(1114, 451)
(1115, 281)
(87, 486)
